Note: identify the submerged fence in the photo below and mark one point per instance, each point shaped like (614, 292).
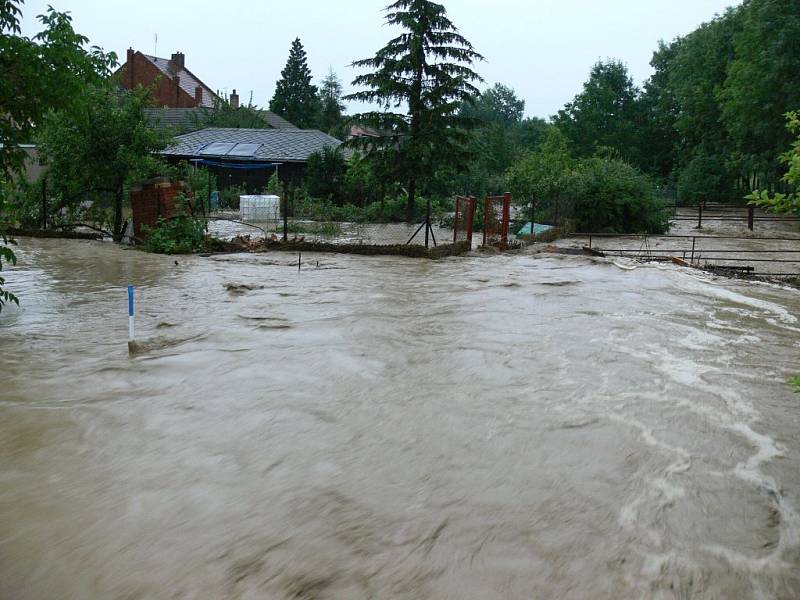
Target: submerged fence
(763, 256)
(728, 214)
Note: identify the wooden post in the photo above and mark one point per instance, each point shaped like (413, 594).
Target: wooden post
(751, 217)
(693, 241)
(700, 216)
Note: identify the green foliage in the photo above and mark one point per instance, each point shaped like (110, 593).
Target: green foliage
(199, 182)
(325, 173)
(785, 202)
(295, 98)
(705, 179)
(599, 194)
(611, 196)
(274, 185)
(331, 117)
(181, 235)
(324, 229)
(541, 176)
(604, 114)
(499, 104)
(427, 69)
(762, 82)
(795, 383)
(389, 210)
(6, 253)
(230, 197)
(224, 115)
(40, 74)
(100, 144)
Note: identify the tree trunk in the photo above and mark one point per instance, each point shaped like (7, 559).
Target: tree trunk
(118, 216)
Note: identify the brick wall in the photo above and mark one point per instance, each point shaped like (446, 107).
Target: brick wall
(139, 71)
(152, 201)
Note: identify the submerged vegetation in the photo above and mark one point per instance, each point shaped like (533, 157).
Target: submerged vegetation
(180, 235)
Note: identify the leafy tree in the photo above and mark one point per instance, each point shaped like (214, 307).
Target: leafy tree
(762, 82)
(39, 75)
(604, 114)
(706, 178)
(331, 114)
(99, 145)
(325, 173)
(658, 112)
(224, 115)
(296, 99)
(426, 69)
(36, 75)
(6, 254)
(499, 104)
(697, 73)
(542, 175)
(785, 202)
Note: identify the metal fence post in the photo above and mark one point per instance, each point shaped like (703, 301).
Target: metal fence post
(751, 217)
(699, 216)
(44, 203)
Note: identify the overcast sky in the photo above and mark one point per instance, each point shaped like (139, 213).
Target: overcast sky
(542, 48)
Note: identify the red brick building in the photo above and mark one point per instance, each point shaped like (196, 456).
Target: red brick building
(175, 85)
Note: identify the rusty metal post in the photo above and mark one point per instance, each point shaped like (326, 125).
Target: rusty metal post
(693, 242)
(700, 216)
(751, 217)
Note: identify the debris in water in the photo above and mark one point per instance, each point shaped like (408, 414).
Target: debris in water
(237, 289)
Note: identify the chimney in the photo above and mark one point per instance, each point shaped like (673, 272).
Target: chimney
(198, 95)
(234, 100)
(178, 59)
(129, 69)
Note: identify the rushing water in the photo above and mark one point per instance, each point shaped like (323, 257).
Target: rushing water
(514, 426)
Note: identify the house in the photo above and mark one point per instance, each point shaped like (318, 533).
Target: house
(175, 86)
(184, 120)
(249, 157)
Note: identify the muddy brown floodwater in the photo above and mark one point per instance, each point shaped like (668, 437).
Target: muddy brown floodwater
(515, 426)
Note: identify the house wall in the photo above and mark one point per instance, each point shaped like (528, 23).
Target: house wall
(167, 92)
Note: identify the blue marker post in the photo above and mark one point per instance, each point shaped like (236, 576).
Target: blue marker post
(131, 329)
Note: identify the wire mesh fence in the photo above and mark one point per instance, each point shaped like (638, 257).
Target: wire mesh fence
(496, 221)
(299, 220)
(464, 219)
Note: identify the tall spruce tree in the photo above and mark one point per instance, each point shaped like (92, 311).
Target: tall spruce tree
(296, 99)
(426, 69)
(331, 114)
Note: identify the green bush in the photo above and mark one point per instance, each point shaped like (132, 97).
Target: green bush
(181, 235)
(610, 196)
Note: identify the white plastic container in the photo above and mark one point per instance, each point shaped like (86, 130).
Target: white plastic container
(259, 209)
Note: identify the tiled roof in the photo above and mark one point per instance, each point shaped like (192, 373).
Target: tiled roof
(275, 121)
(188, 81)
(174, 118)
(274, 145)
(189, 119)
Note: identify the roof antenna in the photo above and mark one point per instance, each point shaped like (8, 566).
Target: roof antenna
(155, 44)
